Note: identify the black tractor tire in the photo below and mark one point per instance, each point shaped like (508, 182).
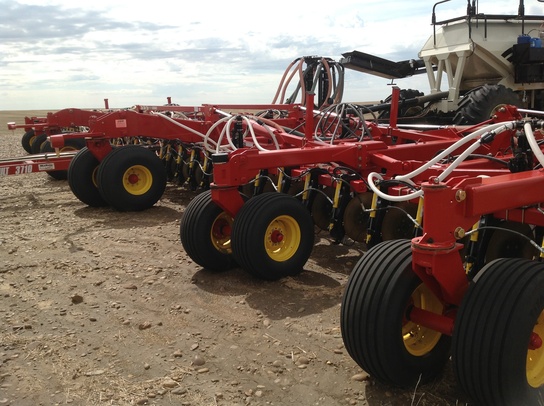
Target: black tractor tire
(480, 104)
(205, 233)
(73, 144)
(37, 143)
(500, 312)
(273, 236)
(131, 178)
(376, 334)
(27, 140)
(82, 179)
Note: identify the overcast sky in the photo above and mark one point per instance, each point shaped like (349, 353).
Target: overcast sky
(59, 53)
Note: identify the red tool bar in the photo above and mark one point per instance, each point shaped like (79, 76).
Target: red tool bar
(437, 322)
(36, 163)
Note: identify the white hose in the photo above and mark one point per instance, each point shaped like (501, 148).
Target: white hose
(225, 133)
(203, 136)
(532, 142)
(500, 127)
(449, 150)
(252, 132)
(471, 149)
(375, 189)
(322, 115)
(272, 135)
(458, 160)
(218, 145)
(213, 146)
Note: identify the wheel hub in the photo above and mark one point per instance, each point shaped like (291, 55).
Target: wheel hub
(420, 340)
(133, 179)
(137, 180)
(535, 342)
(276, 236)
(282, 238)
(221, 229)
(220, 233)
(535, 355)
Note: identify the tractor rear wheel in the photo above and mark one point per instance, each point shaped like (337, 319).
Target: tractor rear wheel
(480, 104)
(379, 293)
(497, 350)
(272, 236)
(131, 178)
(205, 233)
(82, 178)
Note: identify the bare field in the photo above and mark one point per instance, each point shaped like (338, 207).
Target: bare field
(100, 307)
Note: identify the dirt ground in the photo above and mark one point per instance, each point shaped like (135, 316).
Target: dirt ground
(99, 307)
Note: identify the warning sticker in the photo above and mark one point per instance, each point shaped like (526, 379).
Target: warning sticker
(121, 123)
(46, 167)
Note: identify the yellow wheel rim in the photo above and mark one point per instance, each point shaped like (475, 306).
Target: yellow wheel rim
(94, 176)
(137, 180)
(535, 358)
(282, 238)
(220, 233)
(420, 340)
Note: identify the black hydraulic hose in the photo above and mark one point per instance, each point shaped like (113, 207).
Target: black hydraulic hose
(409, 102)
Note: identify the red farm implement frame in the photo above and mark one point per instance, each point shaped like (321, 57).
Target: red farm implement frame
(321, 155)
(472, 191)
(37, 129)
(35, 141)
(177, 141)
(330, 179)
(460, 286)
(185, 138)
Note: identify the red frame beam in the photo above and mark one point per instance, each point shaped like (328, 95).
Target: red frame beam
(36, 163)
(436, 259)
